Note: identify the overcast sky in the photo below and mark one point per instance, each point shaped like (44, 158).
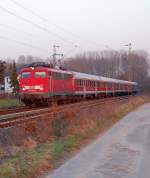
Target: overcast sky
(86, 24)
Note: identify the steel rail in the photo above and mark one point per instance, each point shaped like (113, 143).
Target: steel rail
(50, 112)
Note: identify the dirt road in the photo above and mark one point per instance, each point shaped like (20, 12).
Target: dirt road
(122, 152)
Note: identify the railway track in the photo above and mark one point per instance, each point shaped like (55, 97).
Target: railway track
(8, 120)
(16, 110)
(4, 111)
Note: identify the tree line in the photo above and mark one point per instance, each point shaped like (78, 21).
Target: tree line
(133, 66)
(11, 70)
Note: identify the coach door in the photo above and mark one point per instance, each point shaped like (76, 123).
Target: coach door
(50, 81)
(96, 88)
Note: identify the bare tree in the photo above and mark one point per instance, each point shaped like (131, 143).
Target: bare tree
(133, 66)
(21, 59)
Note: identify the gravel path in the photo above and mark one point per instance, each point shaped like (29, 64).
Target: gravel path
(123, 152)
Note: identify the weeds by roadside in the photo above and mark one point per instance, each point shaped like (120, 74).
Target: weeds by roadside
(32, 158)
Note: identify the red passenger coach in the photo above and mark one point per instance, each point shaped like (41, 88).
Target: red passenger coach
(93, 85)
(40, 85)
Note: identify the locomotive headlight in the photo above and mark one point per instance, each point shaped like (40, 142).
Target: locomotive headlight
(41, 87)
(23, 88)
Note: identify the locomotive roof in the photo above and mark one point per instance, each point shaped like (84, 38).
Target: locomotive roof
(61, 71)
(45, 69)
(79, 75)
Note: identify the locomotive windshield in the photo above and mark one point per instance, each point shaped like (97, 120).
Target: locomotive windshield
(40, 74)
(26, 74)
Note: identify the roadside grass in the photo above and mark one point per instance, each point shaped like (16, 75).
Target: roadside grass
(9, 103)
(26, 163)
(29, 163)
(59, 147)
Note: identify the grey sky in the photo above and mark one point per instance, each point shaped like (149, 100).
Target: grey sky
(89, 24)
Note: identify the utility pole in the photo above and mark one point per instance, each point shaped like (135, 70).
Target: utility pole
(130, 48)
(129, 62)
(55, 54)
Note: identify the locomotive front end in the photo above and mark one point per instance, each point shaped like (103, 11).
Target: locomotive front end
(34, 85)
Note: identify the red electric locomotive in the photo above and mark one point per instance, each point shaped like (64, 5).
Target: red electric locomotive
(40, 85)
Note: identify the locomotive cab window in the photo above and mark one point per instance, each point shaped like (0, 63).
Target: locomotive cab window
(26, 75)
(40, 74)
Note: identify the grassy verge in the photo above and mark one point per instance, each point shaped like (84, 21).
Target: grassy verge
(9, 103)
(29, 163)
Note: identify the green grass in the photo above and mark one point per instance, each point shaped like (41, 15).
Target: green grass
(8, 103)
(59, 147)
(26, 163)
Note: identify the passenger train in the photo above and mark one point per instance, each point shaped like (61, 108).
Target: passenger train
(41, 84)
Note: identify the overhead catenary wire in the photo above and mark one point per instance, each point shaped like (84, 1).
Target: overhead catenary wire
(39, 16)
(8, 27)
(22, 43)
(69, 52)
(52, 23)
(37, 25)
(33, 24)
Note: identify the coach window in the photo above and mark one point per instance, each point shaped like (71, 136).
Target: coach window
(49, 73)
(109, 85)
(26, 74)
(40, 74)
(68, 76)
(92, 83)
(56, 76)
(78, 82)
(89, 83)
(62, 76)
(82, 82)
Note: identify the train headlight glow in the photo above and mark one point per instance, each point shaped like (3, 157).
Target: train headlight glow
(41, 88)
